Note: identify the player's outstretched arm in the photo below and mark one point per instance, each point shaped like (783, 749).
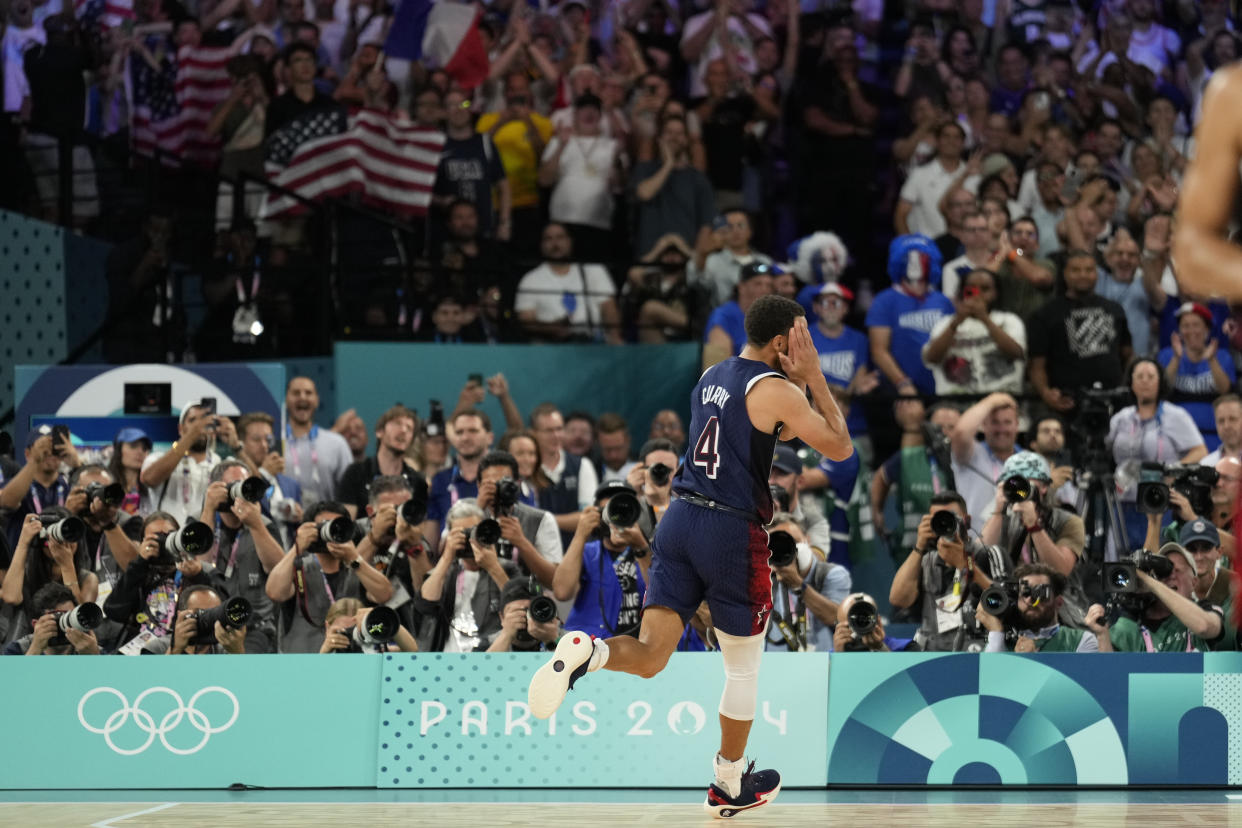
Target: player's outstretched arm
(1206, 262)
(775, 400)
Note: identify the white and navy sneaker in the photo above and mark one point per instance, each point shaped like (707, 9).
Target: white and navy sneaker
(552, 681)
(758, 789)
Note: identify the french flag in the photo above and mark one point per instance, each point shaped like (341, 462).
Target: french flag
(443, 34)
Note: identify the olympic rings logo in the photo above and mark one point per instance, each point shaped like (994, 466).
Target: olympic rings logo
(146, 722)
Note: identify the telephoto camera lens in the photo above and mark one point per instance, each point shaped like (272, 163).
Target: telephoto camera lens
(233, 614)
(863, 616)
(623, 510)
(508, 492)
(251, 489)
(946, 524)
(338, 530)
(1018, 489)
(1157, 566)
(380, 626)
(783, 549)
(999, 598)
(1119, 577)
(542, 609)
(83, 618)
(1152, 498)
(487, 533)
(194, 538)
(414, 511)
(112, 495)
(660, 473)
(62, 530)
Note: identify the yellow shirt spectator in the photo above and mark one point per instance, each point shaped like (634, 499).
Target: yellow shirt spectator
(519, 155)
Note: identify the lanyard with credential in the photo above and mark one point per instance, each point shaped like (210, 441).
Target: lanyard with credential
(293, 454)
(794, 633)
(228, 569)
(58, 493)
(1151, 647)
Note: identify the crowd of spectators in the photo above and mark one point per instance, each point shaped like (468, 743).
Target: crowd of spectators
(973, 201)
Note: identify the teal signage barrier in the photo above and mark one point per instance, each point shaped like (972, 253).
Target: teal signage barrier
(458, 721)
(635, 381)
(439, 720)
(1109, 719)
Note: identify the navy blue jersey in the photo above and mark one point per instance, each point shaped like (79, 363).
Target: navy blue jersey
(728, 460)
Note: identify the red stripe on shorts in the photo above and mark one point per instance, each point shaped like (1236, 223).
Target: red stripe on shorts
(759, 582)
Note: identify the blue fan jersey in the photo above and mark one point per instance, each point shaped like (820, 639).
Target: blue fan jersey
(728, 460)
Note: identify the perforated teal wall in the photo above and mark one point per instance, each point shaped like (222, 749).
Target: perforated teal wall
(32, 297)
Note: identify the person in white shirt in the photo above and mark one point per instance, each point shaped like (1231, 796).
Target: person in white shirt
(177, 479)
(979, 348)
(980, 253)
(564, 300)
(1227, 409)
(918, 210)
(315, 457)
(727, 30)
(580, 166)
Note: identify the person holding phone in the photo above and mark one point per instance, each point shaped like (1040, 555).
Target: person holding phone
(39, 484)
(979, 349)
(177, 479)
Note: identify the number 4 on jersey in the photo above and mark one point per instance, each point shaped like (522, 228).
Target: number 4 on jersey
(705, 450)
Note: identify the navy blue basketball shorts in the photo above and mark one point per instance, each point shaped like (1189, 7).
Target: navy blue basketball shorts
(700, 553)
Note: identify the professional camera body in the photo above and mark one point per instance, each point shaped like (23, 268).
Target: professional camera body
(337, 530)
(623, 510)
(1018, 489)
(1193, 481)
(61, 529)
(112, 494)
(1001, 599)
(783, 549)
(233, 614)
(189, 541)
(251, 490)
(380, 627)
(660, 474)
(508, 493)
(1121, 576)
(946, 524)
(83, 618)
(1087, 439)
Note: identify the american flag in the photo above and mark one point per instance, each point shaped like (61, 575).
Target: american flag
(202, 84)
(155, 117)
(389, 163)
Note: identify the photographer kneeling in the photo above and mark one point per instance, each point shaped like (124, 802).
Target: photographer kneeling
(529, 536)
(528, 621)
(52, 635)
(1024, 610)
(605, 567)
(203, 626)
(1029, 530)
(806, 591)
(860, 629)
(1157, 612)
(350, 627)
(945, 569)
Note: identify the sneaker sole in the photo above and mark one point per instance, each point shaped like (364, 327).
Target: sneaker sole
(551, 681)
(729, 811)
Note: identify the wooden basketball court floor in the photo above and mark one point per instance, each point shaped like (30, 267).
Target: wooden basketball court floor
(593, 808)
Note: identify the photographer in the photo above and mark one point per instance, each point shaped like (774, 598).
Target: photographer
(1033, 617)
(323, 565)
(39, 484)
(108, 549)
(1219, 507)
(604, 571)
(1151, 431)
(530, 537)
(186, 639)
(245, 551)
(845, 639)
(944, 570)
(653, 477)
(520, 630)
(282, 504)
(144, 599)
(393, 545)
(47, 602)
(461, 595)
(1028, 530)
(347, 614)
(1165, 618)
(806, 591)
(1202, 540)
(177, 479)
(39, 559)
(787, 473)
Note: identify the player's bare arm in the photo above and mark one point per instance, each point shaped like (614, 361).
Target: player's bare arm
(1207, 262)
(776, 400)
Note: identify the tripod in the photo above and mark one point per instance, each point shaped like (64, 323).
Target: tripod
(1097, 503)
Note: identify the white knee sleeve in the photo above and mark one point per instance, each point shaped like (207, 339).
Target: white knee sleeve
(742, 655)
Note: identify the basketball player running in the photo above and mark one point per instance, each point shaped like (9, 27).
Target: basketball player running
(1209, 261)
(711, 543)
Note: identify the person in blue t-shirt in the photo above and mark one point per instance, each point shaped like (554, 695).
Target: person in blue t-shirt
(900, 320)
(725, 334)
(1196, 368)
(843, 351)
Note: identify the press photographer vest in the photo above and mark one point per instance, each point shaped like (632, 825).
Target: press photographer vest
(561, 498)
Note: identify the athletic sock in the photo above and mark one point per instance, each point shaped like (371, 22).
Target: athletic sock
(599, 655)
(729, 775)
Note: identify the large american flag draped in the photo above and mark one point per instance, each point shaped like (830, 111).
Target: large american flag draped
(202, 84)
(155, 117)
(389, 163)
